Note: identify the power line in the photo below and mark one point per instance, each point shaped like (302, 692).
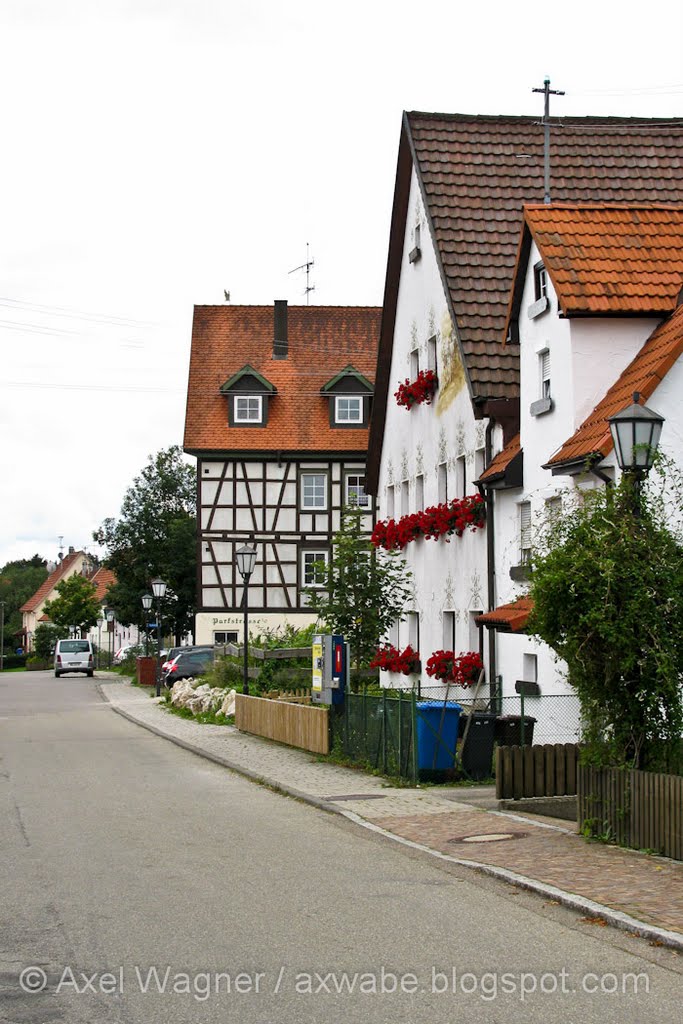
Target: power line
(80, 314)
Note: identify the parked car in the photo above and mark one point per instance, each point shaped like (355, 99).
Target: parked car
(127, 652)
(73, 656)
(190, 662)
(173, 652)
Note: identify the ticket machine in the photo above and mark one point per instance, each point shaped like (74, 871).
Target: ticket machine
(330, 668)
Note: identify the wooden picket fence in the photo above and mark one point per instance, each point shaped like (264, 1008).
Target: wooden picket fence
(297, 725)
(643, 810)
(543, 770)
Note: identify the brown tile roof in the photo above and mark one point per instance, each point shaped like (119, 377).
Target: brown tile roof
(611, 258)
(476, 172)
(50, 583)
(512, 616)
(593, 439)
(103, 580)
(322, 341)
(500, 462)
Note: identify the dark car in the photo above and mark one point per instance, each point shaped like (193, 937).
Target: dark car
(169, 656)
(188, 663)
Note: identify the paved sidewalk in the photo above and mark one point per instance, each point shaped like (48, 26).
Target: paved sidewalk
(634, 891)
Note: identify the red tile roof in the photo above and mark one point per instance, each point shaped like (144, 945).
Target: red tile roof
(103, 580)
(500, 462)
(50, 583)
(610, 259)
(322, 341)
(512, 616)
(593, 439)
(475, 173)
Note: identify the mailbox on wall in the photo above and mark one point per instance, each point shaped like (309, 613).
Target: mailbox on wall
(330, 668)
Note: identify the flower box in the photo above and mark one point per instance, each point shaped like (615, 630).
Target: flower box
(458, 670)
(451, 517)
(390, 659)
(417, 392)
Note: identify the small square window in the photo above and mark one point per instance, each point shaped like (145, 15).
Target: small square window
(248, 408)
(530, 668)
(355, 492)
(314, 565)
(225, 637)
(314, 491)
(348, 409)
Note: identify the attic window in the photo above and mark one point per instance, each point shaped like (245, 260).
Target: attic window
(348, 409)
(415, 253)
(541, 301)
(248, 408)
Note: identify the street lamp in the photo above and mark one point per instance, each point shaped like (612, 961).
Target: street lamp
(636, 431)
(147, 600)
(246, 557)
(100, 623)
(111, 615)
(159, 592)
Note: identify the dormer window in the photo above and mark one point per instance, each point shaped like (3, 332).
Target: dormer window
(541, 301)
(248, 394)
(248, 408)
(349, 394)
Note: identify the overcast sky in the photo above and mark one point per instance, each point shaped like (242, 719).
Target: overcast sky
(156, 152)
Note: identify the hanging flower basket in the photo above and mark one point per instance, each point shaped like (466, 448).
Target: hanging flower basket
(417, 392)
(458, 670)
(451, 517)
(390, 659)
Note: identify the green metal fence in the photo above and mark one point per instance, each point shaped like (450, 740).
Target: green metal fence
(377, 731)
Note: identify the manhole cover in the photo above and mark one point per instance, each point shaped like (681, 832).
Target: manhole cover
(489, 837)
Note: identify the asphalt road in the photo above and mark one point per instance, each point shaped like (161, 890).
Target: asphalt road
(140, 883)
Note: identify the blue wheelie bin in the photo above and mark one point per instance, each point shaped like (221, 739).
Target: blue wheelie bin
(437, 734)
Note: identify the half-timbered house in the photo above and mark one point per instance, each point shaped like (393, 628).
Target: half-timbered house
(278, 406)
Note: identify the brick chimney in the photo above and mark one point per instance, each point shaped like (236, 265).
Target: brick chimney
(280, 342)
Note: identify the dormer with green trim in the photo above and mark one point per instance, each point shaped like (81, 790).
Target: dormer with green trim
(248, 394)
(350, 395)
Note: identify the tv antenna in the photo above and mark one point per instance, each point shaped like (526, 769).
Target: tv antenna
(547, 92)
(307, 267)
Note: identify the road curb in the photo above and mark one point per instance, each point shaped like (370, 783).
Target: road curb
(615, 918)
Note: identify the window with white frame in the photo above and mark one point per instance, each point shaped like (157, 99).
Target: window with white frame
(419, 492)
(525, 531)
(391, 511)
(540, 282)
(461, 476)
(544, 373)
(313, 567)
(530, 668)
(225, 637)
(448, 627)
(405, 498)
(248, 408)
(414, 364)
(431, 354)
(443, 482)
(314, 491)
(413, 623)
(348, 409)
(479, 462)
(355, 491)
(474, 630)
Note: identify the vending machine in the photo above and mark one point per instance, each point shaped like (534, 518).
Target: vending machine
(330, 668)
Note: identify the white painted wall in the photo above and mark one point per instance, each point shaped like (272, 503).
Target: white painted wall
(448, 575)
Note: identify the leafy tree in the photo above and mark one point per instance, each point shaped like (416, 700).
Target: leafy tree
(76, 604)
(45, 638)
(19, 580)
(362, 592)
(607, 585)
(155, 535)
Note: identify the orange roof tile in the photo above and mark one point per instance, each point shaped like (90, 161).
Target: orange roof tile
(53, 579)
(610, 258)
(103, 580)
(659, 353)
(322, 341)
(512, 616)
(500, 462)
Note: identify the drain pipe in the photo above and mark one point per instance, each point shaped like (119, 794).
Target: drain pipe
(491, 569)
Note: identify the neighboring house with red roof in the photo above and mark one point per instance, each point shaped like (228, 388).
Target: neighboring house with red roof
(277, 416)
(595, 308)
(461, 183)
(32, 611)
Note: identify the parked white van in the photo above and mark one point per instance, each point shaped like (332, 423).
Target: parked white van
(74, 656)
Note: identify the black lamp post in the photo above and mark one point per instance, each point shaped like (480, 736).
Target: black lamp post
(100, 623)
(246, 557)
(111, 615)
(636, 431)
(147, 600)
(159, 592)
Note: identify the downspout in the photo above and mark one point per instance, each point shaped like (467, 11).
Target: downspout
(491, 569)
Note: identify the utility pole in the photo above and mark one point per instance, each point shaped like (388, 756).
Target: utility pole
(548, 92)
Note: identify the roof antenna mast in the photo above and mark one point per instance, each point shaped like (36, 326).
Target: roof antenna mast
(548, 92)
(307, 267)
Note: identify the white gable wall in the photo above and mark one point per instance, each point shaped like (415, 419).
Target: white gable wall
(448, 575)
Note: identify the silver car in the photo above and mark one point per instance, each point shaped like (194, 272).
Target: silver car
(74, 656)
